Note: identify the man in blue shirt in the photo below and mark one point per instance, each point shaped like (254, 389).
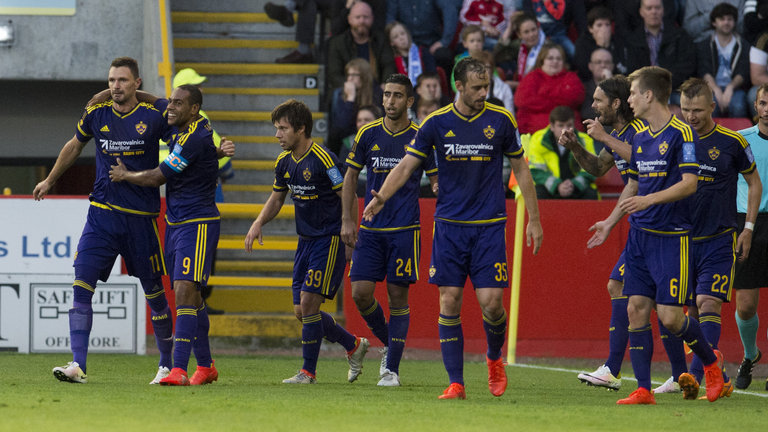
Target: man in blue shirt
(121, 217)
(469, 139)
(191, 173)
(662, 177)
(311, 173)
(390, 246)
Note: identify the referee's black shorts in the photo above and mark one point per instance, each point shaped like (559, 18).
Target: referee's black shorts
(753, 273)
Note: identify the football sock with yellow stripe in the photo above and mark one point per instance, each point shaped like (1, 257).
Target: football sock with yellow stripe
(675, 351)
(618, 334)
(641, 352)
(80, 323)
(186, 327)
(452, 347)
(710, 326)
(336, 333)
(374, 317)
(201, 346)
(495, 334)
(311, 338)
(399, 321)
(692, 335)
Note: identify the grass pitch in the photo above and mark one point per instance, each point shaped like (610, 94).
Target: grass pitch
(250, 397)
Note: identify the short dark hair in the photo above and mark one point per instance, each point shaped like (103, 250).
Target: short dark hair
(467, 65)
(427, 75)
(195, 95)
(373, 109)
(693, 87)
(617, 87)
(598, 13)
(297, 114)
(402, 80)
(523, 17)
(721, 10)
(128, 62)
(656, 79)
(561, 113)
(468, 30)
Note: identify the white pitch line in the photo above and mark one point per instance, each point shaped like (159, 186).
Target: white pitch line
(574, 371)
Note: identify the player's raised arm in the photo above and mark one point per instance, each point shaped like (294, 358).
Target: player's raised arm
(67, 157)
(597, 132)
(533, 232)
(602, 229)
(271, 209)
(595, 165)
(349, 207)
(395, 180)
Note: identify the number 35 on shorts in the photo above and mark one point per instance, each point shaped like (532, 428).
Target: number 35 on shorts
(501, 272)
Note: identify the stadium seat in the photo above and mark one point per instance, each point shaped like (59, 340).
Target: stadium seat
(610, 185)
(736, 123)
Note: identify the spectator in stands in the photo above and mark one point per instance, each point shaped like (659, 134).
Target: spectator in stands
(599, 34)
(756, 23)
(428, 87)
(758, 74)
(359, 41)
(489, 15)
(723, 62)
(305, 30)
(664, 45)
(365, 115)
(517, 56)
(555, 170)
(697, 22)
(498, 90)
(627, 19)
(556, 17)
(600, 68)
(424, 108)
(432, 24)
(359, 89)
(410, 59)
(547, 86)
(472, 39)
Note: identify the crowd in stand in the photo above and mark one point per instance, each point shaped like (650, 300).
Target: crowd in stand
(543, 54)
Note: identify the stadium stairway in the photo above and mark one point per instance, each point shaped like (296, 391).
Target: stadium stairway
(234, 44)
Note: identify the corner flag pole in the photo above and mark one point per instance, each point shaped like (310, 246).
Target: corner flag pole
(517, 260)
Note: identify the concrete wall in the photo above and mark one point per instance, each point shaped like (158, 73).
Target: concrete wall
(56, 64)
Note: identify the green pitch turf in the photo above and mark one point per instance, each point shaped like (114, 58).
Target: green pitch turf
(250, 397)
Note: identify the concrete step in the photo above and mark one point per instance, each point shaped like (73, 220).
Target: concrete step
(237, 6)
(250, 211)
(267, 267)
(263, 325)
(271, 242)
(269, 300)
(257, 75)
(246, 193)
(260, 146)
(230, 50)
(257, 99)
(240, 226)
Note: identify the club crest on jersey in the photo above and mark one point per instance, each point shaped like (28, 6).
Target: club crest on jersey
(307, 174)
(432, 271)
(489, 132)
(141, 127)
(714, 153)
(351, 155)
(663, 147)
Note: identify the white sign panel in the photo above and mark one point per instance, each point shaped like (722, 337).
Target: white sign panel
(34, 315)
(40, 237)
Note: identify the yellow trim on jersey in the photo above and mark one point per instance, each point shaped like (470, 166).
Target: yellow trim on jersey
(473, 118)
(83, 132)
(83, 285)
(131, 211)
(354, 164)
(515, 153)
(413, 150)
(725, 231)
(655, 134)
(682, 294)
(281, 156)
(504, 111)
(205, 219)
(682, 165)
(664, 232)
(412, 125)
(390, 229)
(439, 111)
(329, 265)
(323, 155)
(101, 206)
(190, 130)
(486, 221)
(92, 108)
(159, 246)
(416, 252)
(200, 246)
(631, 171)
(684, 128)
(366, 127)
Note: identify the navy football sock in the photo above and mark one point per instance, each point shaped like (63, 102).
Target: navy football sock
(202, 347)
(399, 320)
(374, 317)
(186, 326)
(452, 347)
(675, 351)
(495, 333)
(618, 335)
(311, 338)
(641, 352)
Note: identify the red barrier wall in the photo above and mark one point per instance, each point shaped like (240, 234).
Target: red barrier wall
(564, 306)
